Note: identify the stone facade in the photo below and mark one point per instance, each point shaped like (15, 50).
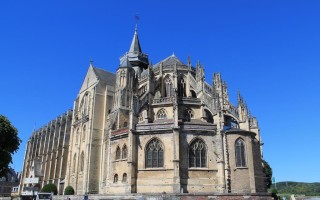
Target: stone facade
(156, 129)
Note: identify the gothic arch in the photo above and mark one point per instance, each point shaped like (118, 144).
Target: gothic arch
(240, 151)
(84, 105)
(162, 114)
(188, 114)
(118, 153)
(197, 153)
(84, 133)
(82, 162)
(124, 151)
(154, 153)
(74, 163)
(168, 86)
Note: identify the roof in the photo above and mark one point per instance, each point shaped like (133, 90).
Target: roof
(108, 77)
(135, 44)
(171, 60)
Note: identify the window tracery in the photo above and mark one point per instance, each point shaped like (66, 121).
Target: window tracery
(188, 114)
(240, 153)
(162, 114)
(154, 154)
(197, 154)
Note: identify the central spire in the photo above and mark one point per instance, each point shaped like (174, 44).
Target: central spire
(135, 44)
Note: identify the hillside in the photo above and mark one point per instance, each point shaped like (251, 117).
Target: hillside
(308, 189)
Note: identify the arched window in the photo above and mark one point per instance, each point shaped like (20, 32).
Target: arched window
(81, 161)
(162, 114)
(77, 136)
(84, 133)
(115, 178)
(182, 88)
(240, 153)
(168, 86)
(154, 154)
(188, 115)
(209, 116)
(124, 178)
(125, 124)
(197, 154)
(74, 163)
(118, 153)
(84, 105)
(124, 151)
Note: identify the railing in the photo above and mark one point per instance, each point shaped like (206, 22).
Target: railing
(162, 100)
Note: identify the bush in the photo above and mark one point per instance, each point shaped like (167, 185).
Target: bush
(69, 190)
(50, 188)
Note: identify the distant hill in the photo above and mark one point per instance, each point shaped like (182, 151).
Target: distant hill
(289, 187)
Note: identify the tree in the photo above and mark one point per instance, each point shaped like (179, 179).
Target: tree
(9, 144)
(268, 172)
(50, 188)
(69, 190)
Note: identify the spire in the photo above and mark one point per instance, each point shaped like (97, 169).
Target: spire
(135, 44)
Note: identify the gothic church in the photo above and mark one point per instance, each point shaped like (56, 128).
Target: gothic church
(149, 128)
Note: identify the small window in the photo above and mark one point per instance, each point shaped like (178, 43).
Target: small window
(125, 124)
(115, 178)
(162, 114)
(240, 153)
(124, 152)
(118, 153)
(124, 178)
(188, 115)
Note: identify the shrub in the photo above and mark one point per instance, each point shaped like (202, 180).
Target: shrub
(69, 190)
(50, 188)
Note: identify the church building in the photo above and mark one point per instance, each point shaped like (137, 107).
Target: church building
(149, 128)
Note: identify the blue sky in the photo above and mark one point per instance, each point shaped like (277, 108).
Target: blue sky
(269, 50)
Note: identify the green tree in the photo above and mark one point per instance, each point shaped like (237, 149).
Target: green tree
(268, 172)
(50, 188)
(9, 144)
(69, 190)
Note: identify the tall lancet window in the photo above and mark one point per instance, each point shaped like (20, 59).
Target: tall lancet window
(124, 152)
(168, 86)
(81, 161)
(182, 88)
(74, 163)
(154, 154)
(240, 153)
(197, 154)
(118, 153)
(122, 78)
(84, 106)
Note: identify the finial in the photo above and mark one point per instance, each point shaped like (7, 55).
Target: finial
(137, 18)
(91, 62)
(189, 61)
(173, 54)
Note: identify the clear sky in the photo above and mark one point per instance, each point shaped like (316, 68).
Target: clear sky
(269, 50)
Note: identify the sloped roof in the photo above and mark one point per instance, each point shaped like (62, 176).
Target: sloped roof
(171, 60)
(108, 77)
(135, 44)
